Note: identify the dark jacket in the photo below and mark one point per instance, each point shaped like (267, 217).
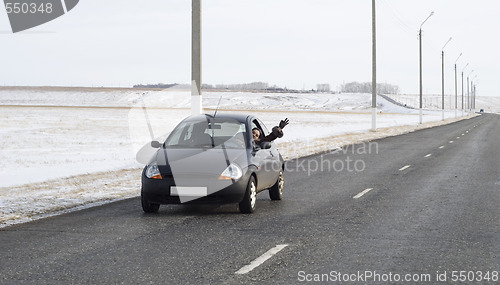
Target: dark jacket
(276, 132)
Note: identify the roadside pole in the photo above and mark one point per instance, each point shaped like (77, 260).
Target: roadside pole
(196, 105)
(420, 64)
(374, 70)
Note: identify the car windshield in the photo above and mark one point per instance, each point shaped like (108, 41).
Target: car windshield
(208, 133)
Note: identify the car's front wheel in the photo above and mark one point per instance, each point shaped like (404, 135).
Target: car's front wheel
(247, 205)
(149, 207)
(276, 191)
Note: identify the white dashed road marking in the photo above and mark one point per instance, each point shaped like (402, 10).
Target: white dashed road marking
(261, 259)
(362, 193)
(404, 167)
(428, 155)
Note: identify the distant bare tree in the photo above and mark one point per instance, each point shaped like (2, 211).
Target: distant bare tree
(323, 87)
(244, 86)
(366, 87)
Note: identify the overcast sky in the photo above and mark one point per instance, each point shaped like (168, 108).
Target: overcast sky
(292, 43)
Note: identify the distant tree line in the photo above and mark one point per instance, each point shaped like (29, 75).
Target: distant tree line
(253, 86)
(241, 86)
(158, 85)
(366, 87)
(325, 87)
(351, 87)
(258, 86)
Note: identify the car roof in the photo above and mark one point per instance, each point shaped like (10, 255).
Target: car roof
(238, 117)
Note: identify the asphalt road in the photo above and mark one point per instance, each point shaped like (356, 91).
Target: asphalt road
(417, 207)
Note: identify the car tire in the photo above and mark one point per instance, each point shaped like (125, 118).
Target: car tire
(149, 207)
(249, 202)
(276, 191)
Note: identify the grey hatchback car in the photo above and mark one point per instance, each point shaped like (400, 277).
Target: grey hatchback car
(212, 159)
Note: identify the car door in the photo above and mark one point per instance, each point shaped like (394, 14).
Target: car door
(268, 160)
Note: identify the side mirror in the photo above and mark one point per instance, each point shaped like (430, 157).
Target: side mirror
(155, 144)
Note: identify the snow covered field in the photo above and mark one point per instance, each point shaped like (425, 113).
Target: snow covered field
(67, 148)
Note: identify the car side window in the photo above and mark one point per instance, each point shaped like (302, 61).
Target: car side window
(258, 124)
(264, 128)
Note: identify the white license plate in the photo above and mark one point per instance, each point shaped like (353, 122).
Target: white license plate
(188, 191)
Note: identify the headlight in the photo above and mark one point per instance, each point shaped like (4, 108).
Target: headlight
(152, 171)
(232, 172)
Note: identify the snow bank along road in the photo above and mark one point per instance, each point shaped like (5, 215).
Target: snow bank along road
(424, 207)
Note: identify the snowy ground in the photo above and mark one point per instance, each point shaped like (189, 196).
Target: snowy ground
(62, 149)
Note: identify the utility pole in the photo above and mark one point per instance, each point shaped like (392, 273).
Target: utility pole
(475, 95)
(420, 72)
(420, 62)
(456, 96)
(468, 92)
(472, 94)
(442, 78)
(196, 107)
(468, 100)
(463, 87)
(473, 86)
(374, 70)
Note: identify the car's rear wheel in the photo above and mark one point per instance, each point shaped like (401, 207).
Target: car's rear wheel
(149, 207)
(276, 191)
(247, 205)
